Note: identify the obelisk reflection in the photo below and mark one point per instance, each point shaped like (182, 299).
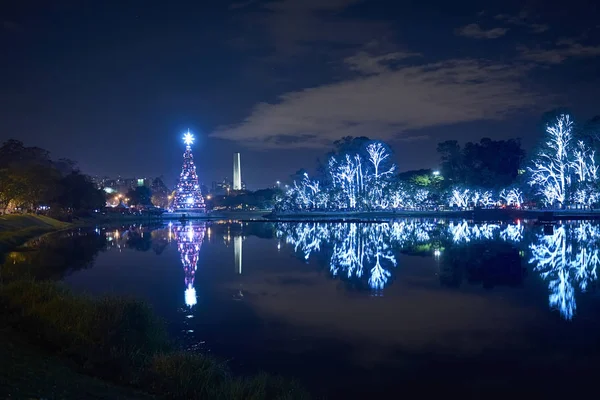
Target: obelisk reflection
(237, 253)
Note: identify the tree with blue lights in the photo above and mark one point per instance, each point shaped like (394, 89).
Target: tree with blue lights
(188, 196)
(564, 172)
(550, 171)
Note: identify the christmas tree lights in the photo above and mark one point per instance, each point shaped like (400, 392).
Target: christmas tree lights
(188, 196)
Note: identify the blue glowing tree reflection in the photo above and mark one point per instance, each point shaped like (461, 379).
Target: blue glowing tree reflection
(489, 253)
(462, 232)
(189, 240)
(358, 249)
(565, 259)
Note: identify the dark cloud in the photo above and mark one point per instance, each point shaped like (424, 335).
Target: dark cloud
(386, 104)
(302, 26)
(522, 19)
(367, 64)
(309, 6)
(564, 50)
(11, 26)
(242, 4)
(476, 32)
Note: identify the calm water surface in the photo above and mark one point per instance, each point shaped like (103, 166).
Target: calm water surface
(369, 309)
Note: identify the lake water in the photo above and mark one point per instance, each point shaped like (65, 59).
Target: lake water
(358, 310)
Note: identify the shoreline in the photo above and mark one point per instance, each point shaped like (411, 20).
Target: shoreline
(376, 216)
(17, 230)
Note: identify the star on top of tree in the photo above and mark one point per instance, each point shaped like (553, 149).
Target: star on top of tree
(188, 138)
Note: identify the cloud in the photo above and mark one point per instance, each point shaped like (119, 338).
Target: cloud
(11, 26)
(474, 31)
(521, 19)
(566, 48)
(387, 105)
(297, 27)
(242, 4)
(309, 5)
(539, 28)
(367, 64)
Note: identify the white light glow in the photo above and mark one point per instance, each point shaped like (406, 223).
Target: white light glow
(190, 296)
(188, 139)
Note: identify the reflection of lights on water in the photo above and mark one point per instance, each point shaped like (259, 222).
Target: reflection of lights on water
(189, 240)
(568, 257)
(278, 245)
(360, 249)
(237, 253)
(355, 246)
(464, 232)
(190, 296)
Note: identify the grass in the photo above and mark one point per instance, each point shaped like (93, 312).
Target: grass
(18, 229)
(29, 373)
(121, 341)
(14, 222)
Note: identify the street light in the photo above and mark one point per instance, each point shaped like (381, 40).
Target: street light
(436, 173)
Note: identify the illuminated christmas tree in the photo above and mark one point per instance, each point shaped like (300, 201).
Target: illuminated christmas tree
(188, 196)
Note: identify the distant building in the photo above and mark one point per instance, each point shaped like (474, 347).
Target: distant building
(224, 187)
(237, 172)
(221, 187)
(121, 185)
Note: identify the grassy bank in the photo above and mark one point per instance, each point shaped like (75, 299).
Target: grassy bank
(30, 373)
(17, 229)
(120, 341)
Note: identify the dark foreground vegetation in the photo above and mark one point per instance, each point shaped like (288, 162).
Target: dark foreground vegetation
(55, 344)
(121, 341)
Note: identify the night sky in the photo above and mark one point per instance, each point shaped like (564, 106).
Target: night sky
(114, 84)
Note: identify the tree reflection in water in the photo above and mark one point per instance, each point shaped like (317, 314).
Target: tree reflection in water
(567, 257)
(357, 247)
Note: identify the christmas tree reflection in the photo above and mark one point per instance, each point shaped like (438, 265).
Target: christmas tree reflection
(189, 240)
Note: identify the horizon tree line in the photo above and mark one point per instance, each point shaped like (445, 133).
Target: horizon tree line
(360, 176)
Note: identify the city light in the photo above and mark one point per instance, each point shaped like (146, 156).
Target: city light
(436, 173)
